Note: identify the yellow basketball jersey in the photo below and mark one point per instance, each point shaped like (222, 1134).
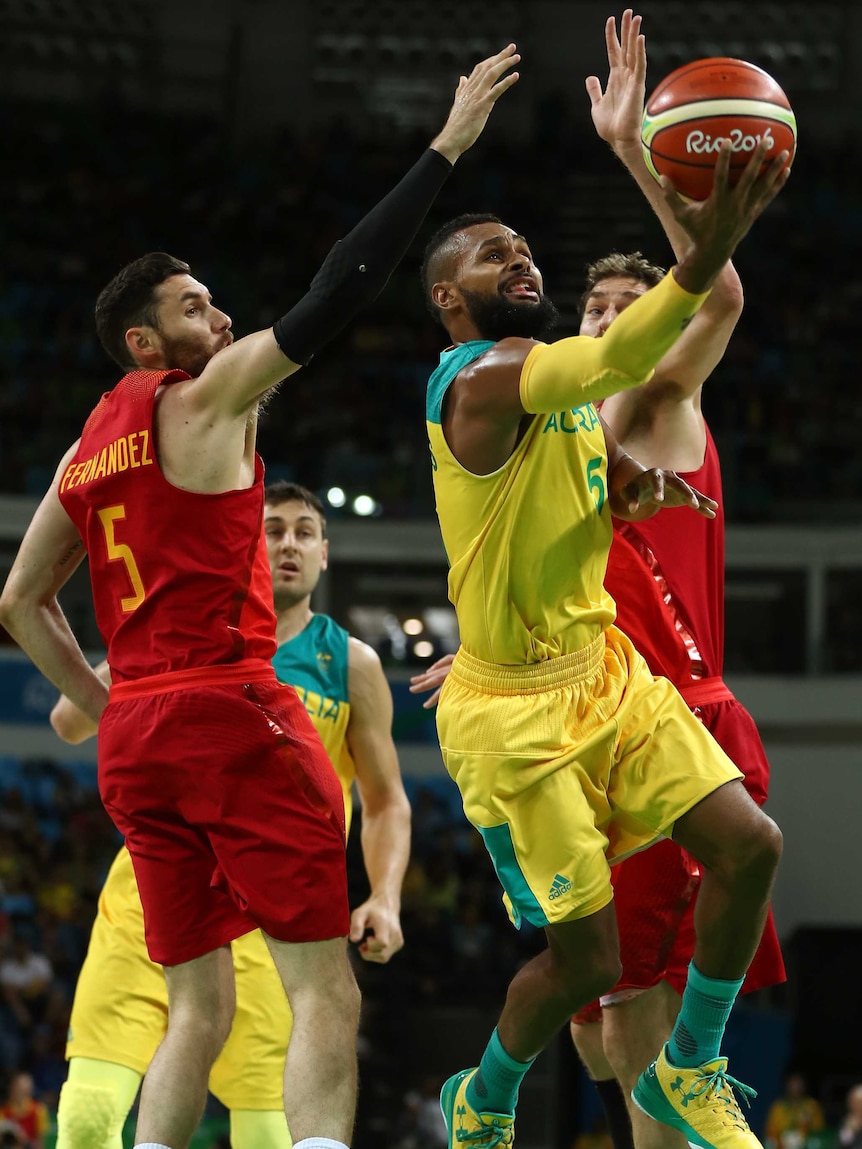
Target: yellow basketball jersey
(527, 544)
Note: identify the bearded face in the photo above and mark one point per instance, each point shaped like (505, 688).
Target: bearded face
(189, 353)
(498, 317)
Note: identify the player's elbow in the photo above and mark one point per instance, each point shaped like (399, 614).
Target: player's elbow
(19, 598)
(10, 608)
(64, 725)
(728, 293)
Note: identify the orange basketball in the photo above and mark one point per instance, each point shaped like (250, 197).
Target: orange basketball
(704, 102)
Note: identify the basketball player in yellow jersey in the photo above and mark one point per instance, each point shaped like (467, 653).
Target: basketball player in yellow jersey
(120, 1008)
(567, 752)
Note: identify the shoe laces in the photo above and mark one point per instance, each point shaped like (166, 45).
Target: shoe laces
(722, 1086)
(488, 1136)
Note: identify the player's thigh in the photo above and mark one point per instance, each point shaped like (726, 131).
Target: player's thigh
(727, 830)
(533, 782)
(120, 1008)
(278, 828)
(153, 795)
(667, 762)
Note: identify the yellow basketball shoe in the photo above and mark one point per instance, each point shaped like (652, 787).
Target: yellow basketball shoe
(699, 1102)
(467, 1127)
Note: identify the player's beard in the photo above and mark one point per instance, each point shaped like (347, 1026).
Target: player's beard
(188, 353)
(498, 318)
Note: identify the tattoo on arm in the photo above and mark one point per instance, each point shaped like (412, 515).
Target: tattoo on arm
(71, 552)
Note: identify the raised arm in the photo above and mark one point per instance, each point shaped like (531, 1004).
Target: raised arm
(358, 267)
(617, 114)
(385, 809)
(50, 553)
(486, 403)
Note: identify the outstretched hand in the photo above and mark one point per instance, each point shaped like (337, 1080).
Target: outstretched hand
(618, 111)
(654, 489)
(475, 96)
(717, 224)
(432, 679)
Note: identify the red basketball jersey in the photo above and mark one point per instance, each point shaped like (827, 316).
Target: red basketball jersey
(666, 576)
(180, 579)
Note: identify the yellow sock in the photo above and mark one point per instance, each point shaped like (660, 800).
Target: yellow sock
(259, 1129)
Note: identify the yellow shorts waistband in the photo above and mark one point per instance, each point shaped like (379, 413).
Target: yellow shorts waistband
(529, 677)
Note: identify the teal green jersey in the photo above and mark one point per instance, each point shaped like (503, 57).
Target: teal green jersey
(315, 663)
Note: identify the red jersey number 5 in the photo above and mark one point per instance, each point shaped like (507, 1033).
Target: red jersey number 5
(120, 552)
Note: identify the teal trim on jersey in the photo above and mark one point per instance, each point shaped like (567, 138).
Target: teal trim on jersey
(498, 843)
(451, 362)
(316, 659)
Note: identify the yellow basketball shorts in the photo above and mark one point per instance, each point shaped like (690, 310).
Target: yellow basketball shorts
(120, 1009)
(567, 765)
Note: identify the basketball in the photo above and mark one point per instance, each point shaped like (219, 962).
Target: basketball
(700, 104)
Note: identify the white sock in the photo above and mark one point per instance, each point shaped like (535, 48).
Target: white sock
(318, 1143)
(151, 1145)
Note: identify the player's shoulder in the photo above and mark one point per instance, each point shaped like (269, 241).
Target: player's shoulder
(362, 657)
(503, 353)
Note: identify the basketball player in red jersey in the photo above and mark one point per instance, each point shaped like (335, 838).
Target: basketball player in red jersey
(666, 575)
(232, 813)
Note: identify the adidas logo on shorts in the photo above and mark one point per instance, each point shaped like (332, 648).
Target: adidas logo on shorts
(559, 886)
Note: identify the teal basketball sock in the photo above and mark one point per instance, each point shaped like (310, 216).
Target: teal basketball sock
(706, 1006)
(494, 1086)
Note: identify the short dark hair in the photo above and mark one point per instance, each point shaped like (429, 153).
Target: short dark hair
(283, 491)
(129, 301)
(440, 251)
(633, 265)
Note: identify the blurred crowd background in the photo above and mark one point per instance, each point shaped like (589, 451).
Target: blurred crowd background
(246, 136)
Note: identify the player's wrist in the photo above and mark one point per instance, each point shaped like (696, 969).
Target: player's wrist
(389, 903)
(628, 149)
(697, 271)
(447, 146)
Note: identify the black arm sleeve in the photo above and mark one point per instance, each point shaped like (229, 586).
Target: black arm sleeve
(359, 266)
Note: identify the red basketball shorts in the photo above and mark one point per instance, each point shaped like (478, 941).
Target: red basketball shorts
(655, 891)
(231, 811)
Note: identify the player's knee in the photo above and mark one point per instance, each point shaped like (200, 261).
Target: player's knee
(207, 1028)
(590, 976)
(757, 849)
(217, 1028)
(771, 841)
(350, 999)
(339, 1000)
(88, 1117)
(607, 971)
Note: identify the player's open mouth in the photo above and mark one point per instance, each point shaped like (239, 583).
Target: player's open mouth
(523, 289)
